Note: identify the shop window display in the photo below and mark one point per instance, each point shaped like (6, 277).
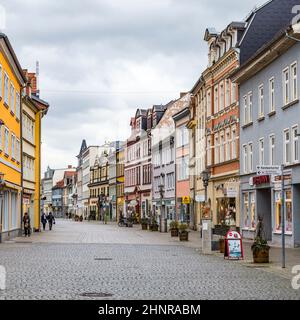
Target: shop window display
(226, 211)
(288, 212)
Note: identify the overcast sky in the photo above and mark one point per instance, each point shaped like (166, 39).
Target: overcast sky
(101, 59)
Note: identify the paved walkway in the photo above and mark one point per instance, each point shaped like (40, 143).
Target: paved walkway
(68, 231)
(90, 260)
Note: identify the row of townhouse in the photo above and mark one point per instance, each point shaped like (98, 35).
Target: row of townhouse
(196, 157)
(21, 113)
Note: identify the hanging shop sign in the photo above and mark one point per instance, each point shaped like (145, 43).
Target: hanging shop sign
(200, 198)
(233, 246)
(231, 192)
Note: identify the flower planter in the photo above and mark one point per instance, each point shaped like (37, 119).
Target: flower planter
(222, 245)
(183, 236)
(174, 232)
(261, 255)
(144, 226)
(154, 227)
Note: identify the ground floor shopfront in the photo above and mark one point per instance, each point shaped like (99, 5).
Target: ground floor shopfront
(261, 197)
(31, 206)
(223, 201)
(10, 212)
(164, 209)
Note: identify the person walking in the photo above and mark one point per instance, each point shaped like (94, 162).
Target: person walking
(50, 220)
(26, 221)
(44, 220)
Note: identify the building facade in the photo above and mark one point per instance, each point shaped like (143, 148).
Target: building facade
(120, 158)
(182, 140)
(11, 82)
(269, 128)
(222, 129)
(33, 110)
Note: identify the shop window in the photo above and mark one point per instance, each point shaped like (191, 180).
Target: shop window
(288, 212)
(226, 211)
(249, 210)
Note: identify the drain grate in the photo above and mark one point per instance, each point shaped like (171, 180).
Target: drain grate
(96, 295)
(103, 259)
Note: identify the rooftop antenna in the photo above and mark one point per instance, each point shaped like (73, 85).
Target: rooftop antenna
(37, 74)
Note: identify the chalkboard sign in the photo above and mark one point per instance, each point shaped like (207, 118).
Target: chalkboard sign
(233, 246)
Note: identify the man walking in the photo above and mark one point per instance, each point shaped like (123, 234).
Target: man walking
(44, 220)
(50, 220)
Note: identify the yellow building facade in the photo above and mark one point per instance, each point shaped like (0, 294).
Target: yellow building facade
(33, 109)
(11, 82)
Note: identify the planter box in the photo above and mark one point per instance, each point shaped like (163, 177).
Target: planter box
(153, 227)
(174, 232)
(184, 236)
(144, 226)
(261, 256)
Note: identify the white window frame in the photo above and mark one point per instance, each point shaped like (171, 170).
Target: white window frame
(6, 89)
(222, 149)
(272, 95)
(13, 146)
(227, 144)
(216, 98)
(227, 93)
(261, 147)
(222, 95)
(295, 140)
(286, 86)
(6, 140)
(1, 79)
(272, 149)
(245, 158)
(233, 142)
(286, 143)
(250, 156)
(294, 81)
(12, 97)
(216, 149)
(245, 98)
(18, 105)
(261, 106)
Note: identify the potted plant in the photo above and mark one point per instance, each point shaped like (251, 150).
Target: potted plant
(153, 226)
(174, 228)
(183, 233)
(260, 248)
(144, 223)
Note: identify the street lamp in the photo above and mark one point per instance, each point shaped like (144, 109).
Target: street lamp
(205, 175)
(163, 220)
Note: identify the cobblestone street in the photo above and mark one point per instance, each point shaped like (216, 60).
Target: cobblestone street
(79, 259)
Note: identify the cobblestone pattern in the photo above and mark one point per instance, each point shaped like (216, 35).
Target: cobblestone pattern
(65, 271)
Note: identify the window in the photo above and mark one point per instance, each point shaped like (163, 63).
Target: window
(261, 152)
(272, 150)
(18, 151)
(6, 140)
(250, 109)
(245, 110)
(288, 215)
(222, 96)
(209, 103)
(216, 99)
(233, 143)
(272, 95)
(286, 88)
(287, 147)
(222, 147)
(182, 136)
(12, 98)
(6, 88)
(216, 149)
(227, 145)
(249, 210)
(295, 145)
(227, 95)
(18, 106)
(13, 146)
(294, 81)
(250, 149)
(183, 168)
(261, 101)
(233, 92)
(245, 158)
(209, 151)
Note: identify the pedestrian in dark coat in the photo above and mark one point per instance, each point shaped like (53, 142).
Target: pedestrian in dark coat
(44, 220)
(26, 221)
(50, 220)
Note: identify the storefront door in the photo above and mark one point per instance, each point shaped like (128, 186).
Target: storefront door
(264, 210)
